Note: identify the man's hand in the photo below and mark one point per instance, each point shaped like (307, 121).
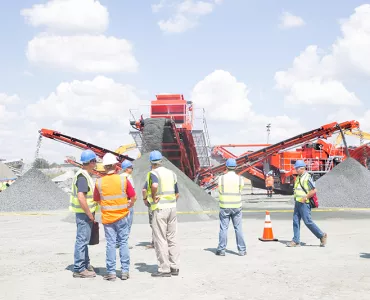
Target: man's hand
(130, 203)
(91, 217)
(156, 199)
(146, 203)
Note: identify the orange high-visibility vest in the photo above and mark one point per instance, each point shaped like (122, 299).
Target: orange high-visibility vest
(113, 197)
(269, 181)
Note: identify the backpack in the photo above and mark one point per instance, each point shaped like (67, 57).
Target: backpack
(313, 201)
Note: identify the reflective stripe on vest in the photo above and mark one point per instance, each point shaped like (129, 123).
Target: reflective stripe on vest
(299, 193)
(113, 197)
(166, 188)
(74, 204)
(230, 192)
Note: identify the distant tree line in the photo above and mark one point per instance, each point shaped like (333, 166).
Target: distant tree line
(41, 163)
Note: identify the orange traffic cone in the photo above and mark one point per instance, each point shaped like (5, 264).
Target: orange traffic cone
(268, 235)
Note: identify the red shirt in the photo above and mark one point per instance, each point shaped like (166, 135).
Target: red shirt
(129, 191)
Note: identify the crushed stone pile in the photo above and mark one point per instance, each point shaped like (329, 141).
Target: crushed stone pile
(192, 198)
(346, 185)
(33, 191)
(153, 134)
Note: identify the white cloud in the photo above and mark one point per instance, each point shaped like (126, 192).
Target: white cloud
(288, 20)
(230, 113)
(6, 99)
(186, 14)
(96, 111)
(75, 16)
(74, 39)
(318, 77)
(85, 53)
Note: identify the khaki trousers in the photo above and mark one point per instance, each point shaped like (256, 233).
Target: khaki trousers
(165, 239)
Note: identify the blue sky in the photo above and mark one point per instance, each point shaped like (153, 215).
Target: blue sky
(242, 38)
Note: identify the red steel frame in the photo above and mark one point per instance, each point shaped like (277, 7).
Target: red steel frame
(247, 162)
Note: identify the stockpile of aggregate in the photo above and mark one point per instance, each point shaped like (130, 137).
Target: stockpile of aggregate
(153, 134)
(346, 185)
(33, 191)
(192, 200)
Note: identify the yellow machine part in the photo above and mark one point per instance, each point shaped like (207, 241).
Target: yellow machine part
(354, 132)
(122, 149)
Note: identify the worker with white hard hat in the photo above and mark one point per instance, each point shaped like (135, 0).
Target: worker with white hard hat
(230, 186)
(112, 191)
(83, 205)
(304, 189)
(162, 194)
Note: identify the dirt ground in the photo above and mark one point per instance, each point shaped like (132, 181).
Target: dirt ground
(36, 257)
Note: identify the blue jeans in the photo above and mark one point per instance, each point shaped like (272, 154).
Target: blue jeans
(117, 232)
(303, 211)
(236, 216)
(130, 218)
(81, 253)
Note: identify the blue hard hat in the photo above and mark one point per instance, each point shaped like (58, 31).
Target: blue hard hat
(155, 156)
(299, 164)
(231, 163)
(87, 155)
(126, 164)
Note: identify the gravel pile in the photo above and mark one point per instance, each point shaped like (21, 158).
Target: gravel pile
(192, 197)
(153, 134)
(346, 185)
(34, 191)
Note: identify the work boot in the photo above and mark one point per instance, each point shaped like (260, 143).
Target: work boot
(90, 268)
(242, 253)
(151, 246)
(293, 244)
(84, 274)
(175, 272)
(110, 277)
(125, 276)
(323, 240)
(161, 274)
(220, 253)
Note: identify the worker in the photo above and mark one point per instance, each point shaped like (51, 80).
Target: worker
(127, 169)
(162, 195)
(83, 205)
(304, 189)
(269, 181)
(230, 186)
(112, 192)
(150, 212)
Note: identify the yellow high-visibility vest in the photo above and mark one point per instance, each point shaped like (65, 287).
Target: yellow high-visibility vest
(166, 188)
(74, 204)
(299, 193)
(230, 186)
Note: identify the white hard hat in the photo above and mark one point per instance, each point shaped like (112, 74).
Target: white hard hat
(109, 159)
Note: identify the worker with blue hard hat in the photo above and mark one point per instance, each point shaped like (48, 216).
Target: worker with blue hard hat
(304, 189)
(230, 186)
(83, 205)
(161, 193)
(127, 169)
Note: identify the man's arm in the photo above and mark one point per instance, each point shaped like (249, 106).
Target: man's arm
(83, 188)
(312, 189)
(145, 194)
(154, 187)
(130, 194)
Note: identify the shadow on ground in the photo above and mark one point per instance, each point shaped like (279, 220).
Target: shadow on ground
(365, 255)
(143, 244)
(213, 250)
(143, 267)
(99, 271)
(284, 242)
